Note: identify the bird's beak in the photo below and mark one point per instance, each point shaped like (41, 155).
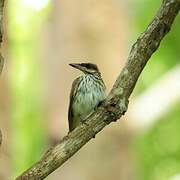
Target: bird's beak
(76, 65)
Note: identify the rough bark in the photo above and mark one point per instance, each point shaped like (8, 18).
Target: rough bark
(116, 103)
(1, 35)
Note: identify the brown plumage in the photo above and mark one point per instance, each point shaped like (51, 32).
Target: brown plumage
(87, 92)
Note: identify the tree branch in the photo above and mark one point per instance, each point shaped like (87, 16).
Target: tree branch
(1, 35)
(116, 103)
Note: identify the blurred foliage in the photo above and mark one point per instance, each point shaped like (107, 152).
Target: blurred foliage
(28, 135)
(158, 150)
(167, 56)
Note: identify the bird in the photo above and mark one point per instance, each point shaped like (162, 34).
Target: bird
(87, 92)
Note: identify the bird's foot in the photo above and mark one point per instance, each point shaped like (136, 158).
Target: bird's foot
(99, 104)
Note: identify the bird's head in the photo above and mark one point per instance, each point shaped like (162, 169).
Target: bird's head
(87, 68)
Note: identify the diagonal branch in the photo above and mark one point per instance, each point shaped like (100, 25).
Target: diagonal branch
(116, 103)
(1, 35)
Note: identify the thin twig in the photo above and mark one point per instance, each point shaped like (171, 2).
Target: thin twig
(1, 35)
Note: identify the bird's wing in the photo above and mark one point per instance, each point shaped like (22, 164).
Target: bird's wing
(72, 95)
